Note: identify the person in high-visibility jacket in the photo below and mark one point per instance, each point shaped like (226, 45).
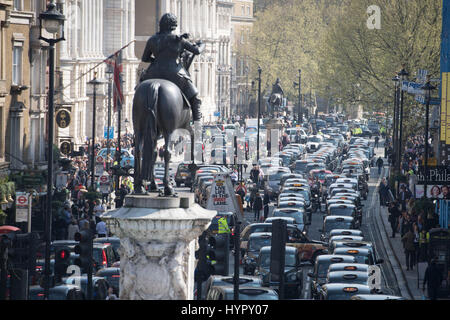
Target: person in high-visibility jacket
(223, 226)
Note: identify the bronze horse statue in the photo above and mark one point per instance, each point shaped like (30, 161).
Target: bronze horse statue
(159, 108)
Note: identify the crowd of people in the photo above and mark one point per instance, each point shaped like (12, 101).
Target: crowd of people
(78, 211)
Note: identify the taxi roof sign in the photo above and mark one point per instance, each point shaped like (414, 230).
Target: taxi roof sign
(352, 251)
(350, 268)
(350, 289)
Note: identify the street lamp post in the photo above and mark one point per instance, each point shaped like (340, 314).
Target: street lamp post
(395, 124)
(403, 74)
(95, 82)
(259, 112)
(109, 72)
(428, 88)
(219, 93)
(300, 112)
(53, 22)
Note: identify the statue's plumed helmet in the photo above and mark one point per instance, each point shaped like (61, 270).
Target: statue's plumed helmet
(168, 22)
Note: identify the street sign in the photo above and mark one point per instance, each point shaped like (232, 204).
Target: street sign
(222, 197)
(63, 118)
(433, 101)
(104, 179)
(99, 159)
(23, 208)
(111, 132)
(65, 147)
(216, 114)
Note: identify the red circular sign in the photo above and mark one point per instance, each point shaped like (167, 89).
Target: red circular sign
(22, 199)
(104, 178)
(99, 159)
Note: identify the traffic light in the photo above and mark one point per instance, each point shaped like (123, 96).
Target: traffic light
(62, 257)
(84, 249)
(219, 253)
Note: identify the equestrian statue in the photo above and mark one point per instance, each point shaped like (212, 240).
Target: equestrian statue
(163, 100)
(276, 97)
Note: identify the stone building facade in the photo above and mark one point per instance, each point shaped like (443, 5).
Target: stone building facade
(242, 22)
(94, 30)
(206, 20)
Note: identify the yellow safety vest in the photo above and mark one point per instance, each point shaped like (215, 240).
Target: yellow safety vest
(223, 226)
(422, 239)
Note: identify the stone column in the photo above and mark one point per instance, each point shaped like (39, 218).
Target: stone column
(158, 239)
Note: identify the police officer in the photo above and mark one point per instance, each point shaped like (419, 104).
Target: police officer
(223, 226)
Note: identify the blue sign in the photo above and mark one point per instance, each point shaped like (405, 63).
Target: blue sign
(217, 114)
(111, 132)
(433, 101)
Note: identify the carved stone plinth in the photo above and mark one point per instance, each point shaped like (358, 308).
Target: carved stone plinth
(158, 243)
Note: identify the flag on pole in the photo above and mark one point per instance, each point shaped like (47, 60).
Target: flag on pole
(116, 62)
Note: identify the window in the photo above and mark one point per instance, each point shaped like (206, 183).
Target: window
(17, 65)
(248, 10)
(243, 10)
(18, 5)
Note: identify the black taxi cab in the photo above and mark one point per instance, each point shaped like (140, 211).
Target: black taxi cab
(293, 273)
(341, 237)
(335, 222)
(321, 265)
(348, 277)
(362, 255)
(346, 232)
(256, 241)
(342, 291)
(357, 245)
(353, 267)
(219, 280)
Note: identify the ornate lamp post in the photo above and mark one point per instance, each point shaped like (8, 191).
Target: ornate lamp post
(403, 75)
(52, 21)
(428, 88)
(259, 111)
(395, 80)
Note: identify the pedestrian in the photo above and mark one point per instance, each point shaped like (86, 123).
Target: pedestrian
(379, 164)
(404, 223)
(254, 174)
(99, 209)
(410, 249)
(393, 218)
(72, 229)
(266, 203)
(101, 229)
(111, 295)
(257, 206)
(377, 138)
(161, 153)
(83, 223)
(432, 279)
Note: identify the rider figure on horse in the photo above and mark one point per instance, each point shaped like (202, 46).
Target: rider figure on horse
(276, 87)
(164, 51)
(276, 97)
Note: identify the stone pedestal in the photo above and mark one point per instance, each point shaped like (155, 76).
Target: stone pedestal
(158, 237)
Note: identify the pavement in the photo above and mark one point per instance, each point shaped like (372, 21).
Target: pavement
(408, 281)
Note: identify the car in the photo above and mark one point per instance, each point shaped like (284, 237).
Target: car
(115, 243)
(296, 213)
(307, 249)
(245, 293)
(219, 280)
(375, 297)
(112, 276)
(342, 291)
(293, 272)
(255, 242)
(288, 220)
(299, 167)
(335, 222)
(346, 210)
(346, 232)
(182, 174)
(99, 286)
(273, 179)
(358, 277)
(355, 267)
(362, 255)
(320, 271)
(58, 292)
(341, 237)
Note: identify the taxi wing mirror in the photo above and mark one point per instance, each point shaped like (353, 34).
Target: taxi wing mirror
(310, 274)
(380, 261)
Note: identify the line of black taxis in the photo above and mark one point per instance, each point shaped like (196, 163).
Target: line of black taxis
(345, 264)
(350, 268)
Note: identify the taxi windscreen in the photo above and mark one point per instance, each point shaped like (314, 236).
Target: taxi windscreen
(255, 244)
(319, 175)
(341, 211)
(334, 224)
(289, 260)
